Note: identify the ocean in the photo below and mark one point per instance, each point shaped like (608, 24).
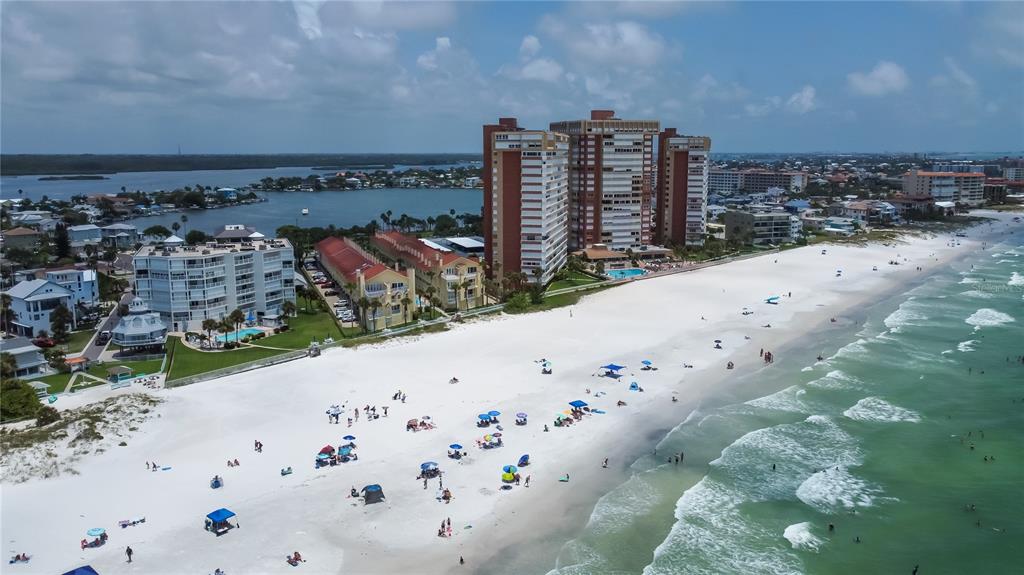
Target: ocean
(875, 440)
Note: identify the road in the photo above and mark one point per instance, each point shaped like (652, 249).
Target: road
(93, 350)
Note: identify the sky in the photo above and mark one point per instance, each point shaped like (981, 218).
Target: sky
(310, 76)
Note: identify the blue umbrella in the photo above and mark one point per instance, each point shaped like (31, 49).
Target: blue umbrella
(455, 446)
(250, 317)
(509, 469)
(578, 403)
(95, 532)
(494, 413)
(321, 456)
(427, 465)
(484, 416)
(646, 362)
(521, 415)
(349, 438)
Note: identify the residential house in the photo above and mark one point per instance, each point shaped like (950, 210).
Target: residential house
(82, 282)
(362, 276)
(28, 359)
(32, 302)
(141, 328)
(457, 280)
(120, 236)
(21, 238)
(85, 235)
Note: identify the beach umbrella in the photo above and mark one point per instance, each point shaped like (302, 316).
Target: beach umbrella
(349, 438)
(455, 446)
(561, 416)
(509, 469)
(521, 415)
(488, 437)
(96, 532)
(428, 465)
(578, 403)
(648, 362)
(484, 416)
(508, 477)
(327, 449)
(497, 434)
(718, 341)
(546, 364)
(425, 417)
(321, 456)
(494, 413)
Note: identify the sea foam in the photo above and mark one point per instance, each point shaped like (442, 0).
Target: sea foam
(800, 537)
(836, 488)
(877, 409)
(986, 317)
(977, 293)
(1016, 280)
(966, 346)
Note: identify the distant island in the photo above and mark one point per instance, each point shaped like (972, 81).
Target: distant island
(73, 164)
(78, 177)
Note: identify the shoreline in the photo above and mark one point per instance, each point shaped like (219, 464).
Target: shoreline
(493, 358)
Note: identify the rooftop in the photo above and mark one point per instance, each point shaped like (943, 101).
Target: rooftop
(211, 248)
(348, 259)
(13, 232)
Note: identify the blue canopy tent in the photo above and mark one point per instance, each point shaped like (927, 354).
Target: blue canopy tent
(494, 413)
(484, 417)
(372, 494)
(634, 386)
(217, 521)
(428, 465)
(83, 570)
(611, 370)
(578, 403)
(455, 446)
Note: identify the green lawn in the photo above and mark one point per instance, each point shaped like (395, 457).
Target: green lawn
(59, 381)
(574, 279)
(188, 362)
(302, 329)
(78, 340)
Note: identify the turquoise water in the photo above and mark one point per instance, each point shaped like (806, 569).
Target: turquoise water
(875, 440)
(237, 335)
(626, 273)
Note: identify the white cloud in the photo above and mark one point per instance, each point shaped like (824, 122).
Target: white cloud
(428, 60)
(541, 69)
(884, 78)
(627, 44)
(307, 13)
(529, 47)
(763, 108)
(709, 88)
(803, 101)
(959, 75)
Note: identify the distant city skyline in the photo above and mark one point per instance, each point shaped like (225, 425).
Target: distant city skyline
(333, 77)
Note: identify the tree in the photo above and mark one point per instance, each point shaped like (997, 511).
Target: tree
(17, 399)
(175, 226)
(405, 308)
(55, 357)
(237, 318)
(184, 220)
(6, 313)
(303, 292)
(209, 325)
(288, 308)
(62, 242)
(157, 231)
(363, 304)
(60, 317)
(196, 237)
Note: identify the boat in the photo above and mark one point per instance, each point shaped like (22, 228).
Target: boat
(305, 211)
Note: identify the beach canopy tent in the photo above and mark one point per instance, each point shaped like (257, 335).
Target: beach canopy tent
(484, 417)
(455, 446)
(634, 387)
(217, 521)
(373, 494)
(521, 415)
(83, 570)
(96, 532)
(648, 362)
(613, 367)
(494, 413)
(578, 403)
(428, 465)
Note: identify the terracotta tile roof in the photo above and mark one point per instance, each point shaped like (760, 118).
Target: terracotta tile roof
(421, 255)
(21, 232)
(348, 259)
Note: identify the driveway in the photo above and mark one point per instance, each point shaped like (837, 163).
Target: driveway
(93, 350)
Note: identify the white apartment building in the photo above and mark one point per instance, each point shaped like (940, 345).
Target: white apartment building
(187, 284)
(527, 199)
(611, 180)
(724, 181)
(1013, 174)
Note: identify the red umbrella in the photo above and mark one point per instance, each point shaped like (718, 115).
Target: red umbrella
(327, 449)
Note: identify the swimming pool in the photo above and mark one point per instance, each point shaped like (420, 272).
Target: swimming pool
(238, 335)
(626, 273)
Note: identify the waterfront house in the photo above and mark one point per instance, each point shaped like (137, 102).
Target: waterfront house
(85, 235)
(362, 276)
(120, 236)
(457, 280)
(21, 238)
(28, 359)
(141, 329)
(32, 302)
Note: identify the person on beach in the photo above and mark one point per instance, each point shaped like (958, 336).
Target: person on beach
(461, 560)
(385, 408)
(526, 482)
(677, 460)
(128, 551)
(605, 464)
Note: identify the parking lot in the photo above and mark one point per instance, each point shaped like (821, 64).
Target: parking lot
(344, 309)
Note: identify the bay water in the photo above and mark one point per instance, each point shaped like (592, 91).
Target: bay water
(875, 440)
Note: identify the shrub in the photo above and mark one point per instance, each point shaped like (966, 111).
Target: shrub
(284, 327)
(277, 330)
(246, 339)
(518, 302)
(230, 345)
(46, 415)
(17, 399)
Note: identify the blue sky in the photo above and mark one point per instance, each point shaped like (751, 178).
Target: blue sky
(233, 77)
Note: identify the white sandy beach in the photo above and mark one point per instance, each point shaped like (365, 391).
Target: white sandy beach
(201, 426)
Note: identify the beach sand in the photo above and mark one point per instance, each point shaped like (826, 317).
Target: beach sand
(668, 320)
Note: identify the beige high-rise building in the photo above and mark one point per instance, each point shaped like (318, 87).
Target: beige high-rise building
(611, 180)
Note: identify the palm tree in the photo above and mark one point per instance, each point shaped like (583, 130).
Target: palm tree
(237, 318)
(350, 289)
(209, 325)
(224, 326)
(363, 304)
(184, 220)
(303, 292)
(431, 290)
(288, 308)
(405, 308)
(6, 312)
(374, 305)
(175, 227)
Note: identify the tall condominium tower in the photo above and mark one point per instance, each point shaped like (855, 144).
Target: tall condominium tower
(682, 190)
(526, 200)
(611, 180)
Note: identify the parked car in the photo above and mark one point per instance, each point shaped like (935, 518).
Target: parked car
(44, 342)
(330, 292)
(103, 338)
